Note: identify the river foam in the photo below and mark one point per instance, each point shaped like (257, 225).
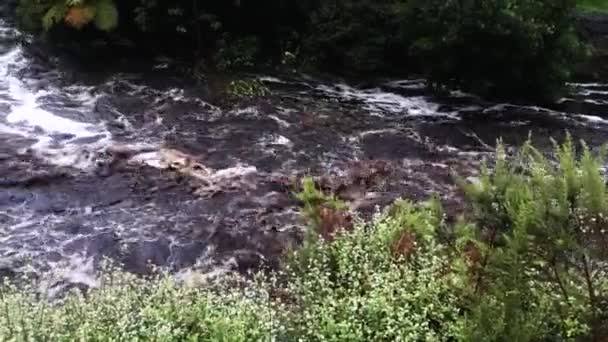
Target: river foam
(56, 138)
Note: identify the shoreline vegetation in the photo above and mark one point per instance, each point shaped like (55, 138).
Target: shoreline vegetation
(527, 262)
(463, 44)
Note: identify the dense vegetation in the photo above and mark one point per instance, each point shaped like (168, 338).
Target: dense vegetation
(528, 263)
(523, 48)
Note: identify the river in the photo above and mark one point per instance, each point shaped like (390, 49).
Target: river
(207, 185)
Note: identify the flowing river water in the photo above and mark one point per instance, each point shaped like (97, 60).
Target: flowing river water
(144, 169)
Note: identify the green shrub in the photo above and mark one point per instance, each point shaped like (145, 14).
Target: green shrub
(314, 202)
(76, 13)
(353, 34)
(237, 54)
(541, 238)
(506, 48)
(227, 33)
(381, 281)
(246, 88)
(127, 308)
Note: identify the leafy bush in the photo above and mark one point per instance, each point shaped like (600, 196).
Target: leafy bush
(237, 54)
(353, 34)
(325, 213)
(127, 308)
(386, 280)
(246, 88)
(540, 244)
(75, 13)
(524, 48)
(506, 48)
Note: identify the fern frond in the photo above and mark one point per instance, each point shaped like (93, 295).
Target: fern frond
(54, 15)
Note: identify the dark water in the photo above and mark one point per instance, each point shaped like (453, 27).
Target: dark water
(64, 205)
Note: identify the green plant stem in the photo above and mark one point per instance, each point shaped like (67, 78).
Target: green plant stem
(588, 280)
(560, 283)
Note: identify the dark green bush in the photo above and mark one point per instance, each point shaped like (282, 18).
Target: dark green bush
(354, 34)
(213, 30)
(497, 48)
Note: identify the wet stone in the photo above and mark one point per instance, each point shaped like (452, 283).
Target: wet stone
(53, 256)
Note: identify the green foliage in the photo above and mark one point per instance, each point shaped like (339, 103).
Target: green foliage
(46, 14)
(470, 44)
(247, 88)
(463, 43)
(30, 13)
(237, 54)
(127, 308)
(54, 14)
(106, 16)
(314, 200)
(542, 262)
(357, 35)
(382, 281)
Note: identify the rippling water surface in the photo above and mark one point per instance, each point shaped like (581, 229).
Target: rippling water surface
(64, 205)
